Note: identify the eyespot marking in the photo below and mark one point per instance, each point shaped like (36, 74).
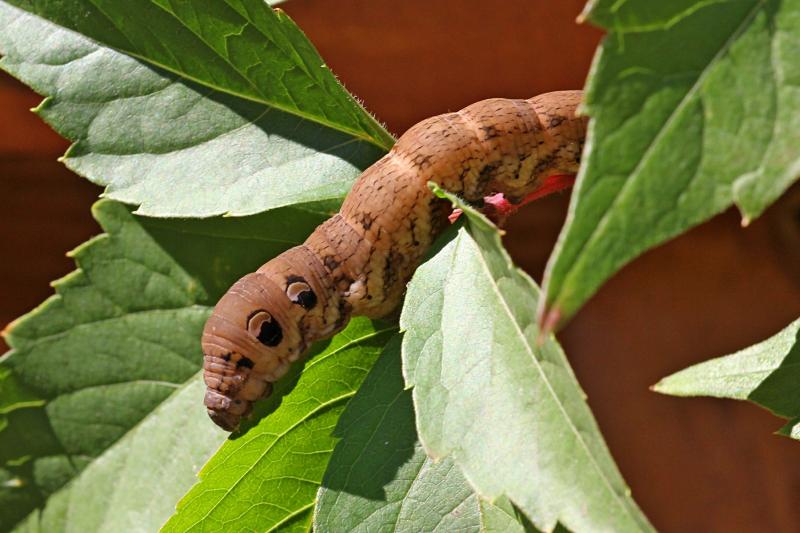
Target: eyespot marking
(266, 329)
(300, 292)
(271, 333)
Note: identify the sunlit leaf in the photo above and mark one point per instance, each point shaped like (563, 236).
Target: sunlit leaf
(503, 403)
(267, 478)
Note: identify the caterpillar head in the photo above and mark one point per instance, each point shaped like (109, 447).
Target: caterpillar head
(249, 341)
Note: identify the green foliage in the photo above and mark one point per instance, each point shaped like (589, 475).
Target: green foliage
(695, 106)
(500, 517)
(214, 107)
(508, 410)
(766, 374)
(379, 477)
(171, 145)
(12, 394)
(91, 366)
(267, 478)
(238, 47)
(133, 485)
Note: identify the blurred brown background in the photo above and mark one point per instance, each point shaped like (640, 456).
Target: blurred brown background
(693, 464)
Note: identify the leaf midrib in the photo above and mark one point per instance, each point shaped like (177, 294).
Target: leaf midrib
(33, 342)
(655, 26)
(482, 262)
(263, 98)
(322, 406)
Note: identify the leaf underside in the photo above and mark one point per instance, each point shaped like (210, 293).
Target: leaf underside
(170, 142)
(509, 412)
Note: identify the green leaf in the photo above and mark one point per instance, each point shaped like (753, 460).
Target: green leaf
(508, 411)
(120, 338)
(239, 47)
(791, 430)
(766, 374)
(500, 517)
(695, 106)
(170, 145)
(108, 495)
(13, 395)
(267, 478)
(379, 478)
(16, 498)
(215, 252)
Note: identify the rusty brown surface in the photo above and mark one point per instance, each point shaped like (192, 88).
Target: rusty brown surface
(693, 464)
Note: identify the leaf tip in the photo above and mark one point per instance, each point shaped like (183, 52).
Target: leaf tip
(584, 15)
(791, 430)
(41, 106)
(6, 331)
(667, 386)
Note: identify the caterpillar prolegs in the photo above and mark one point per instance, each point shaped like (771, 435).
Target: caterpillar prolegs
(359, 261)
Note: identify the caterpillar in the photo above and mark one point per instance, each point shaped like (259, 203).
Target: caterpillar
(359, 261)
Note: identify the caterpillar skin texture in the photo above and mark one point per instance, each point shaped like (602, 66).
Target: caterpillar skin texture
(359, 261)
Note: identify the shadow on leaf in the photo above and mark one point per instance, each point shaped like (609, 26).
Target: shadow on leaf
(377, 431)
(771, 393)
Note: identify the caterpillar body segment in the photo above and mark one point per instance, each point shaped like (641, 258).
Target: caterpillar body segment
(359, 261)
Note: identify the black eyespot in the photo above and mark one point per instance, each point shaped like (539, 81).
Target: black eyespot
(244, 362)
(266, 329)
(307, 299)
(300, 292)
(271, 333)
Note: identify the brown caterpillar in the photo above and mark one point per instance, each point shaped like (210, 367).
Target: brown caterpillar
(359, 261)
